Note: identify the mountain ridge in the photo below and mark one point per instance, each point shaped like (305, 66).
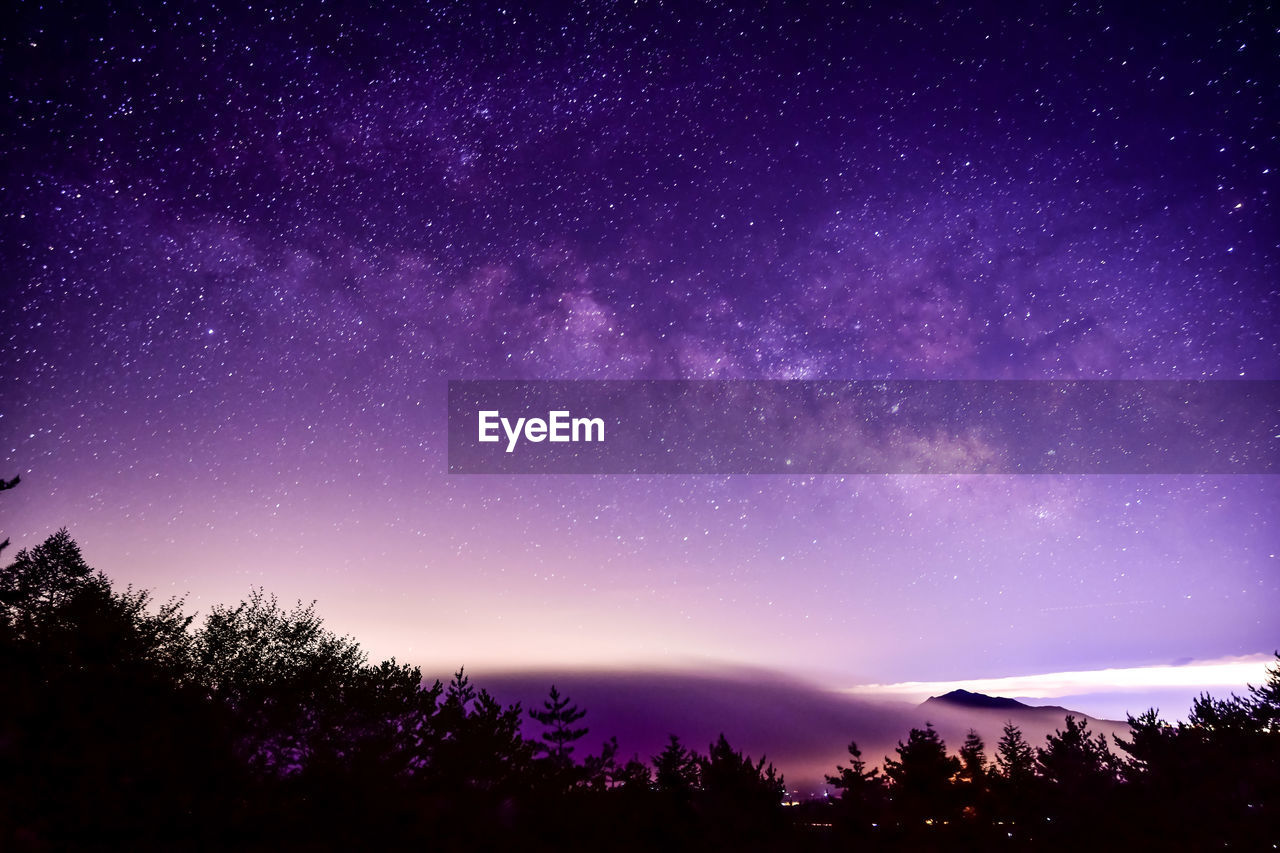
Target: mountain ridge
(969, 700)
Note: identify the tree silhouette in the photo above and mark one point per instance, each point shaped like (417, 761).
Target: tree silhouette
(726, 773)
(1150, 741)
(862, 794)
(1074, 759)
(558, 715)
(1079, 773)
(1015, 759)
(856, 777)
(281, 674)
(972, 779)
(1209, 781)
(634, 775)
(920, 777)
(123, 724)
(741, 799)
(1264, 700)
(42, 579)
(1013, 781)
(599, 772)
(973, 759)
(479, 747)
(101, 718)
(676, 769)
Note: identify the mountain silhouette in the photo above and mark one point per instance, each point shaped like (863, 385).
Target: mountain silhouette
(966, 700)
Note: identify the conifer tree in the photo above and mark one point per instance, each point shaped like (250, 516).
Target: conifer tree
(973, 759)
(1015, 759)
(861, 791)
(1074, 759)
(676, 768)
(855, 777)
(1264, 700)
(920, 777)
(559, 716)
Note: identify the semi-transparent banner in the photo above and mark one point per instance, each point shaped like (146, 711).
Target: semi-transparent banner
(864, 427)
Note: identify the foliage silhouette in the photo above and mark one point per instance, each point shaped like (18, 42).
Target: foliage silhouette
(128, 724)
(1015, 759)
(677, 769)
(973, 760)
(920, 778)
(558, 715)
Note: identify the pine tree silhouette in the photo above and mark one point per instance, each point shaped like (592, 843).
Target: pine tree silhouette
(558, 714)
(676, 768)
(1073, 758)
(973, 759)
(1015, 759)
(862, 792)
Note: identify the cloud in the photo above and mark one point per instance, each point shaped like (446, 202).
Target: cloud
(1232, 673)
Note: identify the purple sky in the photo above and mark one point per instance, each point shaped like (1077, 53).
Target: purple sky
(243, 252)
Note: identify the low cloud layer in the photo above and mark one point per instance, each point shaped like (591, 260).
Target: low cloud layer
(1229, 673)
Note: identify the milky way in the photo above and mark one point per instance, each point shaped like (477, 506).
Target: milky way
(243, 252)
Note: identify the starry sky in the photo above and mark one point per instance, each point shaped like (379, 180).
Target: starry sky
(244, 251)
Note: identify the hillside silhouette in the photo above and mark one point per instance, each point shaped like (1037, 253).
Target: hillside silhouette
(968, 699)
(981, 701)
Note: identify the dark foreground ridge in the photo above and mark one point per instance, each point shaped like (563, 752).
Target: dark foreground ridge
(128, 725)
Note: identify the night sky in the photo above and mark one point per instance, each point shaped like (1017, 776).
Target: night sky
(243, 252)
